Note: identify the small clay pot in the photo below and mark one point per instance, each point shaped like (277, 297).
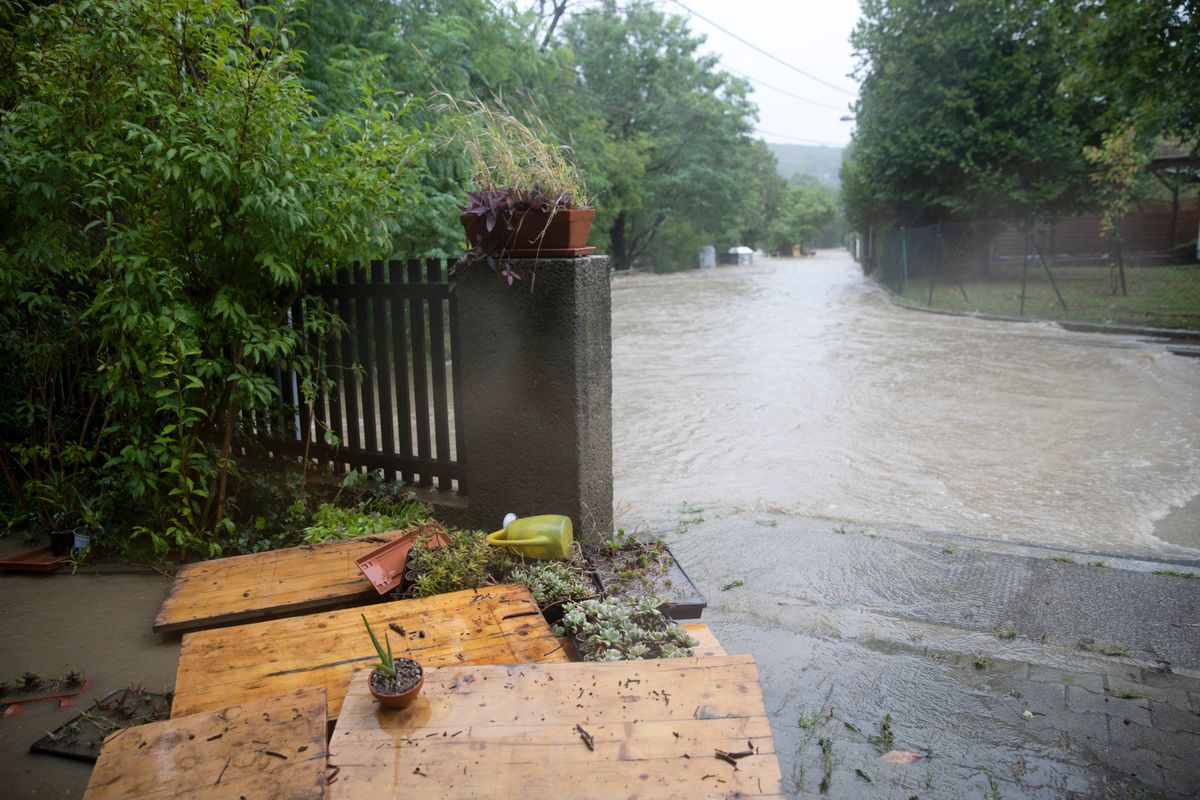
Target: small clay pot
(60, 542)
(378, 683)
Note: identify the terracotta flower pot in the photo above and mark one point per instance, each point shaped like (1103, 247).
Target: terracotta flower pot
(391, 699)
(521, 236)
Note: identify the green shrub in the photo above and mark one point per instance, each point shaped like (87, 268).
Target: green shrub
(165, 199)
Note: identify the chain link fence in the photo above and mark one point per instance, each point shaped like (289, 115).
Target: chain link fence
(1056, 270)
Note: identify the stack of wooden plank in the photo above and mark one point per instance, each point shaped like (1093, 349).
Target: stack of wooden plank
(504, 711)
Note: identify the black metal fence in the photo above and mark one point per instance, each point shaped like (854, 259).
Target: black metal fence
(1061, 270)
(392, 379)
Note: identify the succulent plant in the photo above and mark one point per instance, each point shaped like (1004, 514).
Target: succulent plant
(617, 629)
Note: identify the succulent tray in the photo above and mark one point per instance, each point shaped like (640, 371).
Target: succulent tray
(81, 737)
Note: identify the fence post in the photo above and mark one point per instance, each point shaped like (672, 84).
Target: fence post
(1025, 262)
(903, 259)
(933, 272)
(537, 400)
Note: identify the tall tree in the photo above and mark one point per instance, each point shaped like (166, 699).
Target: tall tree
(1142, 64)
(962, 111)
(668, 133)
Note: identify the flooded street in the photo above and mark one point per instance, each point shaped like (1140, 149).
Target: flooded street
(795, 387)
(900, 515)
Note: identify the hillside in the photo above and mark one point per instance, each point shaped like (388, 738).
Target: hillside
(818, 161)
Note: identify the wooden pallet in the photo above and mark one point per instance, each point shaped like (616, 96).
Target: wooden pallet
(226, 591)
(267, 748)
(496, 625)
(706, 642)
(496, 731)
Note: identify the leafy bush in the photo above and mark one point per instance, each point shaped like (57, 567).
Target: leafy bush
(166, 203)
(331, 523)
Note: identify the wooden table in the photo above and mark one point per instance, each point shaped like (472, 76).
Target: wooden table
(226, 591)
(267, 748)
(496, 625)
(514, 731)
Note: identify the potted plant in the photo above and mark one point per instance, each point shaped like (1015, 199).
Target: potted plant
(90, 513)
(54, 508)
(395, 682)
(528, 200)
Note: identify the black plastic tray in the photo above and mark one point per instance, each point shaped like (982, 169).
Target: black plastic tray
(58, 742)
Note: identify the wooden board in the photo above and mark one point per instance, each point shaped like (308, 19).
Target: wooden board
(225, 591)
(497, 625)
(497, 731)
(267, 748)
(706, 643)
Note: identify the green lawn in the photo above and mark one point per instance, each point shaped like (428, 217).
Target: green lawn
(1165, 297)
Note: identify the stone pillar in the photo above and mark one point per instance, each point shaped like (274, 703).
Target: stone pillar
(537, 383)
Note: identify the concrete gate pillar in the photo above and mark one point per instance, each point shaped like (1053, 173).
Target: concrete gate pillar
(536, 361)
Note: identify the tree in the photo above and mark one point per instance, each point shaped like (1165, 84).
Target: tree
(808, 209)
(166, 197)
(1141, 61)
(1118, 164)
(962, 112)
(666, 134)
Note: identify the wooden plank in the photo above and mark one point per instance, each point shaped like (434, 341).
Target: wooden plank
(261, 585)
(400, 365)
(510, 731)
(367, 385)
(497, 625)
(383, 369)
(349, 378)
(456, 384)
(273, 747)
(437, 365)
(420, 372)
(706, 643)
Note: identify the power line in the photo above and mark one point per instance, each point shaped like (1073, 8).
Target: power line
(797, 138)
(781, 91)
(764, 52)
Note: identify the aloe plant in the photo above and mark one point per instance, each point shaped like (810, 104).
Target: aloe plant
(387, 664)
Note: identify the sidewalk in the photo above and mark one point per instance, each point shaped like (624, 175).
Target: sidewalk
(1008, 673)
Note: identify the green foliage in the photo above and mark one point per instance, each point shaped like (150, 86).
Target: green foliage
(165, 197)
(674, 148)
(468, 562)
(1117, 166)
(1140, 64)
(961, 114)
(616, 629)
(504, 153)
(387, 663)
(333, 523)
(554, 582)
(808, 208)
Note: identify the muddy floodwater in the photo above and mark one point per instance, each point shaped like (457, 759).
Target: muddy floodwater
(796, 387)
(913, 521)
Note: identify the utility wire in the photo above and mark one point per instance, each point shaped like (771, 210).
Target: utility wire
(797, 138)
(752, 79)
(753, 46)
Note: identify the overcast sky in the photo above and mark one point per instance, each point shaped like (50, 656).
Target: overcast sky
(812, 35)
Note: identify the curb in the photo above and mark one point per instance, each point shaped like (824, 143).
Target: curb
(1173, 334)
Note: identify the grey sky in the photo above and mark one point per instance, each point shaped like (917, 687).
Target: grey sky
(809, 34)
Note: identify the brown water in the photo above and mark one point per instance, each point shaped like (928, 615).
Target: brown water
(796, 387)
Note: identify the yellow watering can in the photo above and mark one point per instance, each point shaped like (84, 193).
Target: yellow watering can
(548, 536)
